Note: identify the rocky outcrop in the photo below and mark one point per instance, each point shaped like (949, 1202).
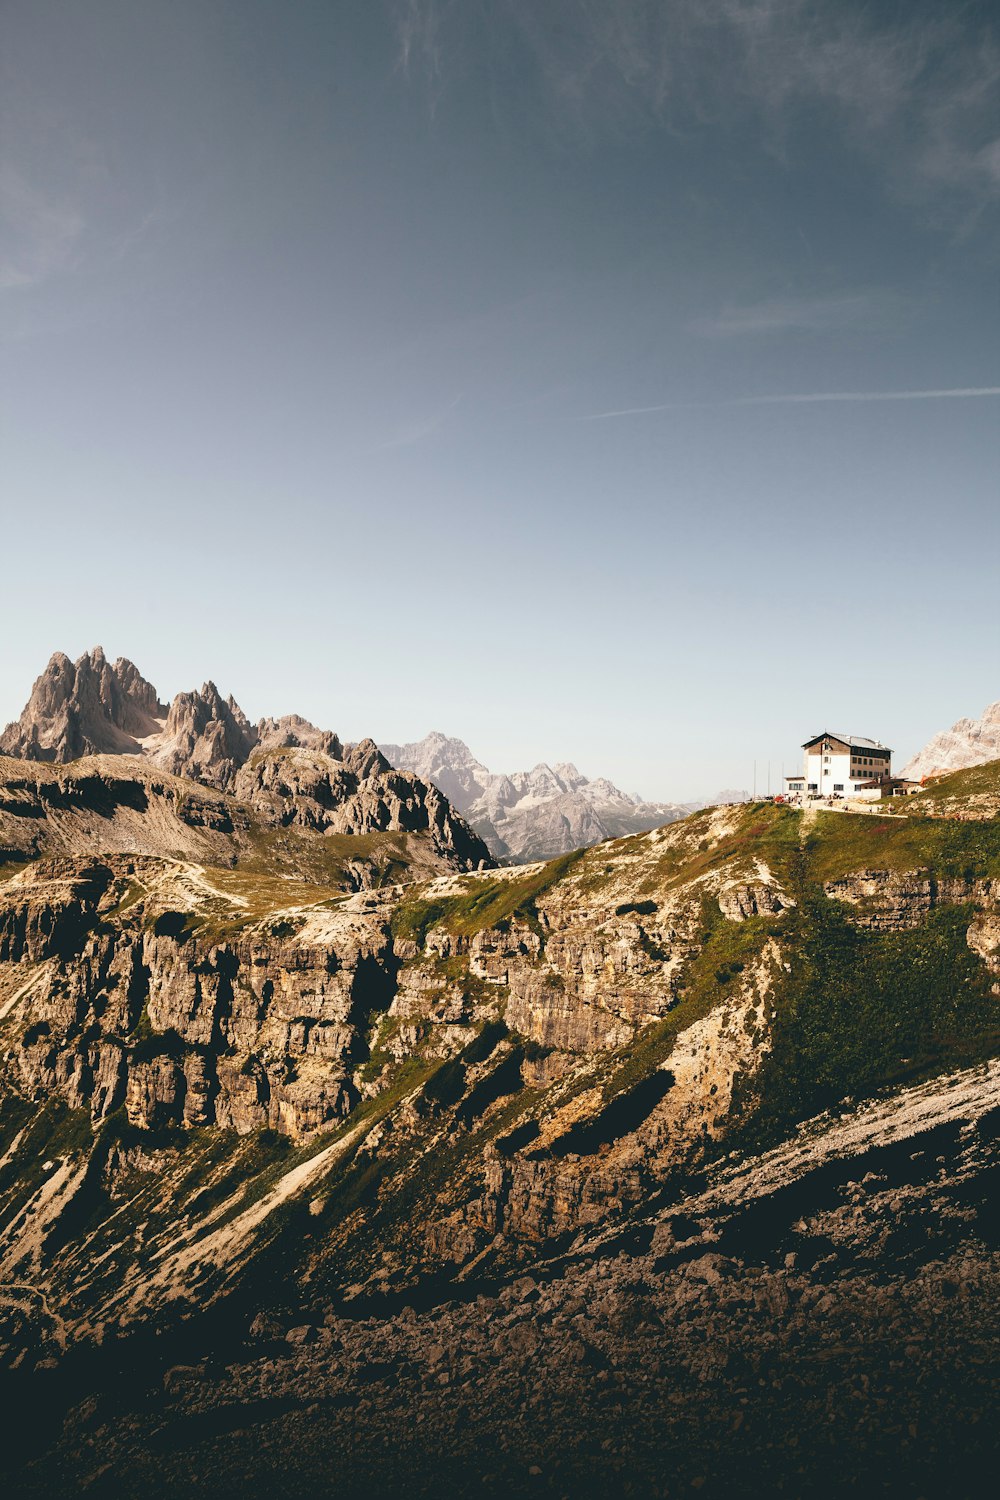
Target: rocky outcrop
(112, 803)
(89, 707)
(810, 1322)
(969, 742)
(293, 732)
(457, 1079)
(357, 792)
(741, 900)
(535, 814)
(206, 737)
(126, 805)
(895, 900)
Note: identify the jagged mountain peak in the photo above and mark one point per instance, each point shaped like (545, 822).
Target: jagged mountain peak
(291, 731)
(969, 742)
(86, 707)
(529, 815)
(445, 761)
(91, 708)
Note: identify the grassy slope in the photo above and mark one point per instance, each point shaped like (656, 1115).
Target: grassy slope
(482, 904)
(859, 1009)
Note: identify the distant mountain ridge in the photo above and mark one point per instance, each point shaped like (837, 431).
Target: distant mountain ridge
(536, 814)
(969, 742)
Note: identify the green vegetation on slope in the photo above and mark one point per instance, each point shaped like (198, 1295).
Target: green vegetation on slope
(863, 1009)
(327, 859)
(715, 975)
(841, 843)
(485, 903)
(973, 783)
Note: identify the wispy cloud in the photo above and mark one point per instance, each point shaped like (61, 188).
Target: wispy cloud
(421, 28)
(415, 431)
(801, 315)
(40, 232)
(916, 88)
(955, 393)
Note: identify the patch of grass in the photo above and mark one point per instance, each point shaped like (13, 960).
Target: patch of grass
(412, 920)
(483, 904)
(327, 859)
(974, 781)
(685, 854)
(844, 842)
(862, 1010)
(15, 1113)
(379, 1056)
(129, 894)
(250, 1157)
(446, 1084)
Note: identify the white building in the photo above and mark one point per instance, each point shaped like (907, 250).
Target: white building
(841, 765)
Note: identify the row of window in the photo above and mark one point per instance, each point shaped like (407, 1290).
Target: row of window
(838, 786)
(861, 760)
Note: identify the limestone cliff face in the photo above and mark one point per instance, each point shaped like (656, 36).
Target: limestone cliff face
(969, 742)
(465, 1071)
(899, 900)
(130, 1008)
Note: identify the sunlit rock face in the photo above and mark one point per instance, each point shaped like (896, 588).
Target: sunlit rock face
(969, 742)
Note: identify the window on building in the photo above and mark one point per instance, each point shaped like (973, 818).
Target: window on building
(838, 786)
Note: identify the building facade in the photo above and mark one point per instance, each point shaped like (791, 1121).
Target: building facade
(841, 765)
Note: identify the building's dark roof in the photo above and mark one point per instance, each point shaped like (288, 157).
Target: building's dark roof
(856, 741)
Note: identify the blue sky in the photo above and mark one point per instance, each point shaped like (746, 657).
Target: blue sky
(416, 365)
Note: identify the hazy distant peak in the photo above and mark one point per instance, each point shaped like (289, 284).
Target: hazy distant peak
(534, 814)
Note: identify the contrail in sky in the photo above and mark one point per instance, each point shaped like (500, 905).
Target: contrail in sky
(958, 393)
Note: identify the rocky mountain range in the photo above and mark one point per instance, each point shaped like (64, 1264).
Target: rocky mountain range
(331, 1163)
(969, 742)
(284, 773)
(534, 814)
